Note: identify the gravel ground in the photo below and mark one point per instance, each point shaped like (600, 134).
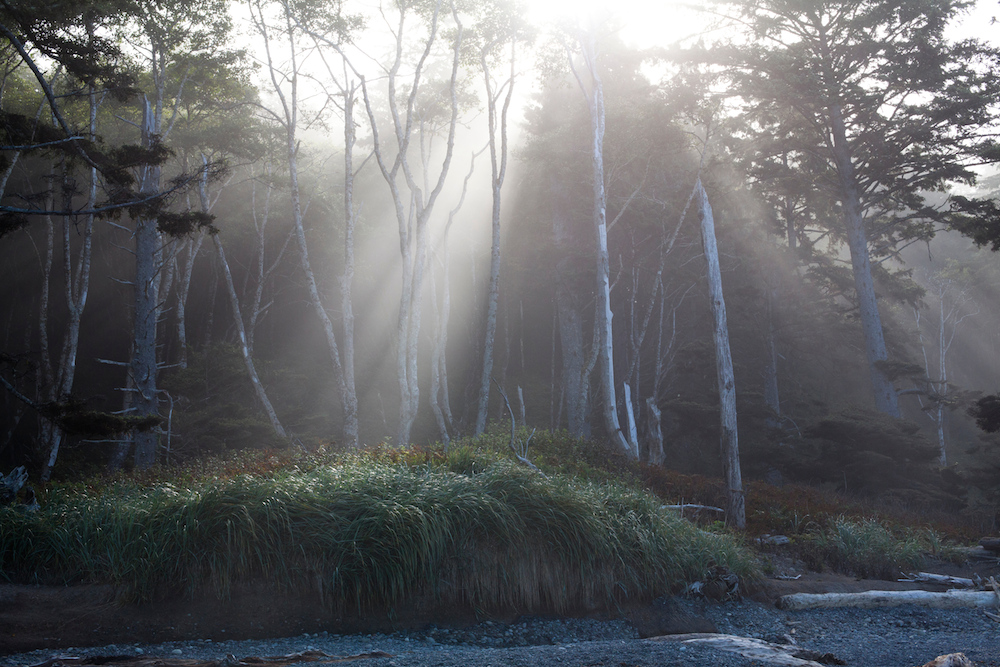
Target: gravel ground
(901, 637)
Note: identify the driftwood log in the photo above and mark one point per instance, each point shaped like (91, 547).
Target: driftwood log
(784, 655)
(876, 599)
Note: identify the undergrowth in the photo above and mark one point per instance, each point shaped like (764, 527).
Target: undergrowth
(865, 548)
(466, 525)
(372, 528)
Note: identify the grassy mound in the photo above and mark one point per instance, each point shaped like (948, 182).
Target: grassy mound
(370, 531)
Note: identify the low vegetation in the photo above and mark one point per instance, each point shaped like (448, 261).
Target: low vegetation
(371, 529)
(466, 526)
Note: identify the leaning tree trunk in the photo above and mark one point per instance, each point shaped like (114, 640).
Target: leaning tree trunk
(735, 502)
(234, 301)
(886, 398)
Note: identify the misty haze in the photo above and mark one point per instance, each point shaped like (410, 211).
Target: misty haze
(478, 282)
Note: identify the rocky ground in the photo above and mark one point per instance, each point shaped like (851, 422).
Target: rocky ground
(39, 624)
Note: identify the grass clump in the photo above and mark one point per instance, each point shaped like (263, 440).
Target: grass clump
(469, 528)
(867, 548)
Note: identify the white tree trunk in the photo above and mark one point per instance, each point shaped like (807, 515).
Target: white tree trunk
(735, 502)
(603, 314)
(290, 111)
(633, 433)
(413, 213)
(348, 389)
(499, 166)
(654, 430)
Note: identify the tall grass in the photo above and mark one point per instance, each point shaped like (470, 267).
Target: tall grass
(469, 529)
(867, 548)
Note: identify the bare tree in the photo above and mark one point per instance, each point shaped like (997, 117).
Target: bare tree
(497, 124)
(414, 206)
(735, 501)
(593, 91)
(286, 86)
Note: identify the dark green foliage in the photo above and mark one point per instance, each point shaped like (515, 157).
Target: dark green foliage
(11, 222)
(986, 412)
(75, 419)
(215, 408)
(977, 219)
(182, 224)
(865, 452)
(502, 537)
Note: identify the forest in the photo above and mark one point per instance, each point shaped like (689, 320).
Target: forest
(763, 248)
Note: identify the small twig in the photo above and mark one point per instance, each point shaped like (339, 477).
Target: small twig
(521, 459)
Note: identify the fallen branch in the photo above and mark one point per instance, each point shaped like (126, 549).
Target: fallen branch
(876, 599)
(785, 655)
(688, 506)
(943, 579)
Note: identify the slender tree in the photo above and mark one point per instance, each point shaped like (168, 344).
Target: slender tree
(593, 91)
(413, 194)
(499, 29)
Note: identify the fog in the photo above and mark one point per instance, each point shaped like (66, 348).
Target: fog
(412, 261)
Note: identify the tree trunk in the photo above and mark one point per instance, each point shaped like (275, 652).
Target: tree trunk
(604, 316)
(886, 399)
(735, 502)
(290, 110)
(633, 433)
(234, 301)
(771, 396)
(655, 454)
(569, 321)
(147, 265)
(349, 395)
(499, 167)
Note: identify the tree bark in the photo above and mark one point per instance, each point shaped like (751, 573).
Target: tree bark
(575, 383)
(654, 447)
(735, 502)
(146, 312)
(886, 399)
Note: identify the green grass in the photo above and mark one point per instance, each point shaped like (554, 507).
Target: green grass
(371, 529)
(867, 548)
